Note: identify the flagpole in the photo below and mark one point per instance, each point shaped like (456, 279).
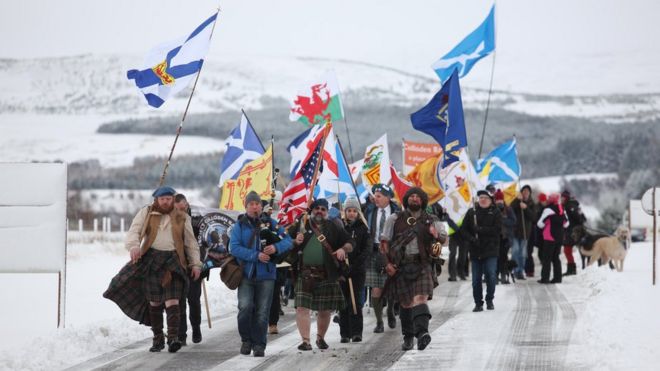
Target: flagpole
(348, 135)
(490, 89)
(254, 131)
(341, 149)
(185, 112)
(318, 163)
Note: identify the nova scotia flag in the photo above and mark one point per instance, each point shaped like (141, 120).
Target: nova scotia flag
(169, 68)
(468, 52)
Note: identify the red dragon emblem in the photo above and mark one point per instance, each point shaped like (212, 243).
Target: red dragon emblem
(314, 106)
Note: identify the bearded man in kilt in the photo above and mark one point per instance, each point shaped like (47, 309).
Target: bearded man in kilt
(163, 250)
(409, 241)
(320, 247)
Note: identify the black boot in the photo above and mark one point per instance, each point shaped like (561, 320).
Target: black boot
(421, 317)
(571, 269)
(196, 335)
(407, 328)
(391, 318)
(173, 342)
(156, 316)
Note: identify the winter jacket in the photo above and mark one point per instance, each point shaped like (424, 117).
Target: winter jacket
(248, 253)
(553, 221)
(484, 237)
(575, 218)
(508, 222)
(361, 247)
(527, 214)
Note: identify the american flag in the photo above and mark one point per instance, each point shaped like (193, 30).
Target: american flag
(294, 198)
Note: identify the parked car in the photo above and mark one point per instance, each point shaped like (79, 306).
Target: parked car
(638, 234)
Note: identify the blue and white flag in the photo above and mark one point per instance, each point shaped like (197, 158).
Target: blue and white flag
(300, 147)
(335, 183)
(501, 165)
(170, 67)
(465, 55)
(243, 145)
(442, 118)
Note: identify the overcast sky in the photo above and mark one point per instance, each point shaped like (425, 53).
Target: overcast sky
(596, 40)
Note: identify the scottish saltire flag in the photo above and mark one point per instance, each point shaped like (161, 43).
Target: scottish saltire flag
(170, 67)
(242, 146)
(442, 118)
(501, 165)
(300, 147)
(468, 52)
(335, 183)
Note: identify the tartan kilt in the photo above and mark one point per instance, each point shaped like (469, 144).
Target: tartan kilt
(327, 295)
(137, 284)
(374, 277)
(404, 291)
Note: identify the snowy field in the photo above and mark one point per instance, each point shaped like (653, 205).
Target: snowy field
(615, 314)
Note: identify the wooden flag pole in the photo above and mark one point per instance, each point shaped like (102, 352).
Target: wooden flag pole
(328, 124)
(206, 303)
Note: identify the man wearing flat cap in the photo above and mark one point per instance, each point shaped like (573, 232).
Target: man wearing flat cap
(410, 239)
(164, 256)
(320, 247)
(376, 214)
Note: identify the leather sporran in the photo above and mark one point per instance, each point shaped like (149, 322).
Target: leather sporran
(311, 279)
(231, 273)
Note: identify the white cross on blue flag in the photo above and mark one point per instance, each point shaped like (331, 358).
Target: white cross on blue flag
(243, 145)
(169, 68)
(468, 52)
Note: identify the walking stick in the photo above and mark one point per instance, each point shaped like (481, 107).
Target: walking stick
(352, 293)
(206, 303)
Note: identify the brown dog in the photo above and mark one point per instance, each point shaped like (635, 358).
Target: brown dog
(610, 248)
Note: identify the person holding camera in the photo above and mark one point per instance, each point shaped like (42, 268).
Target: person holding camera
(259, 272)
(320, 247)
(410, 239)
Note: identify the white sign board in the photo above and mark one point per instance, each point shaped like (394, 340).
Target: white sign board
(638, 217)
(33, 217)
(648, 202)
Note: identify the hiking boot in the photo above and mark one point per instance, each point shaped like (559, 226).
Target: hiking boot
(543, 281)
(158, 343)
(408, 343)
(452, 279)
(304, 346)
(423, 341)
(357, 338)
(391, 319)
(173, 345)
(478, 308)
(246, 348)
(196, 335)
(321, 344)
(489, 305)
(272, 329)
(379, 328)
(258, 351)
(556, 280)
(344, 340)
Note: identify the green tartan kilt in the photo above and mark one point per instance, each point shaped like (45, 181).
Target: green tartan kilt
(137, 284)
(404, 291)
(326, 295)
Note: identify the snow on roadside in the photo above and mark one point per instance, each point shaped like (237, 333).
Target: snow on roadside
(618, 326)
(94, 325)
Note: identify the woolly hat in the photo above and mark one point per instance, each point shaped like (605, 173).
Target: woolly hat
(164, 191)
(566, 194)
(483, 192)
(383, 189)
(319, 202)
(352, 202)
(418, 191)
(252, 196)
(553, 198)
(542, 197)
(499, 195)
(526, 186)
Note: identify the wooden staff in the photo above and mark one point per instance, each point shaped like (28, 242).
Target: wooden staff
(206, 303)
(350, 289)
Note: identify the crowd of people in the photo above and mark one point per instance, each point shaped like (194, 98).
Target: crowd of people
(337, 258)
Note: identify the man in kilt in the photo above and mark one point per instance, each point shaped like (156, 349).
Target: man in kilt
(320, 247)
(409, 241)
(163, 250)
(376, 214)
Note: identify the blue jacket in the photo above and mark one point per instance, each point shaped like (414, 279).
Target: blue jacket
(248, 255)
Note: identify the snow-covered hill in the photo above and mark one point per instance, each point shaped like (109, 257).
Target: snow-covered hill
(93, 84)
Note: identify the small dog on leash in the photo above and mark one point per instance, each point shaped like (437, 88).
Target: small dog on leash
(508, 272)
(606, 248)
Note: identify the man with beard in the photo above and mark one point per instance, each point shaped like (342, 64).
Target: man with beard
(163, 249)
(320, 247)
(409, 241)
(376, 214)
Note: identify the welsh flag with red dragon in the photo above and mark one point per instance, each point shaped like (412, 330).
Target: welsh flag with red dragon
(318, 102)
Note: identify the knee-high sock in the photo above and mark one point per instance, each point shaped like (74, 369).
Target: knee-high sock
(407, 325)
(421, 316)
(172, 322)
(378, 308)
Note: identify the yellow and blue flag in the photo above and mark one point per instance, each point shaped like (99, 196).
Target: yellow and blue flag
(170, 67)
